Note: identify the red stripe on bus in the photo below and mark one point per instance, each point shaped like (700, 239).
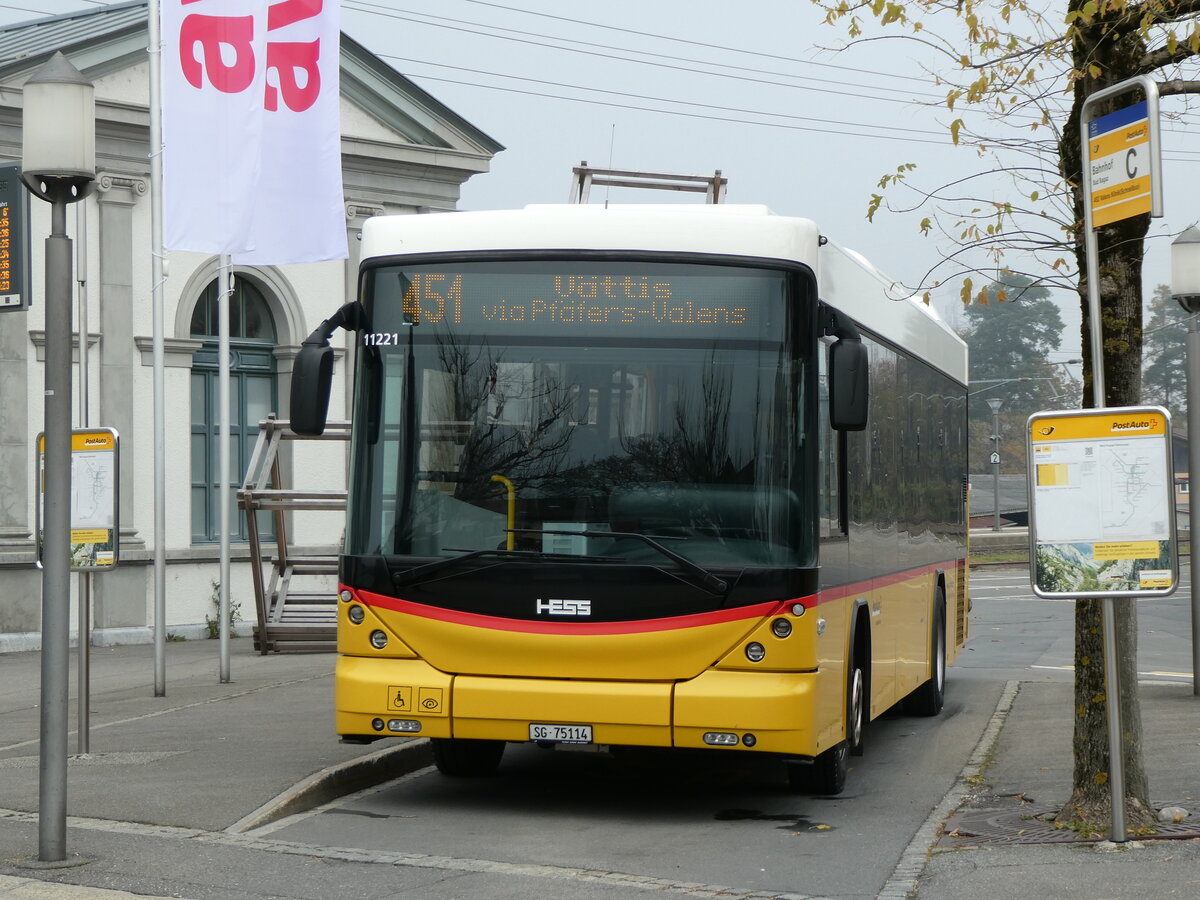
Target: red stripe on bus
(499, 623)
(841, 591)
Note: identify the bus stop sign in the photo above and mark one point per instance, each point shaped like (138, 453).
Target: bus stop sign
(1102, 508)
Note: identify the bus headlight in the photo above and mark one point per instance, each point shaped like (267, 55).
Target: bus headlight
(781, 628)
(755, 652)
(356, 614)
(345, 596)
(378, 640)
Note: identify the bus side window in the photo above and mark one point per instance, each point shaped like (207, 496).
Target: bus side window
(831, 462)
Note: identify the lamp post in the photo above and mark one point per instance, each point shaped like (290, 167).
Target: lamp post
(58, 133)
(1185, 288)
(995, 403)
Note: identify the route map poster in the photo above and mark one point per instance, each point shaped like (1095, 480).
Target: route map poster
(94, 507)
(1102, 508)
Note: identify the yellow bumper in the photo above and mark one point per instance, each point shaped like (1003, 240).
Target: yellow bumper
(775, 708)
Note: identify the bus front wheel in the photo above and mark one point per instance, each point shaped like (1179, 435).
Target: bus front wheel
(826, 775)
(462, 758)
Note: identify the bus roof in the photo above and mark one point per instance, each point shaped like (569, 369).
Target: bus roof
(845, 279)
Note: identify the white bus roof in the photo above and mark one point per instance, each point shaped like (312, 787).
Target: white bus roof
(845, 280)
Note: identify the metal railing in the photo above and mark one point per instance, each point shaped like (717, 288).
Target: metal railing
(290, 615)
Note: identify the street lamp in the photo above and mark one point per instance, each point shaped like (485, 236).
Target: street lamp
(58, 134)
(1185, 288)
(995, 403)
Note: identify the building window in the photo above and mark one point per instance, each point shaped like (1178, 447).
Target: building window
(252, 395)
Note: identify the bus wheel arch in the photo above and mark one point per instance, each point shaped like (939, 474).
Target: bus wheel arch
(826, 774)
(858, 679)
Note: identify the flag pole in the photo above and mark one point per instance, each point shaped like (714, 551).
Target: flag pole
(224, 295)
(154, 51)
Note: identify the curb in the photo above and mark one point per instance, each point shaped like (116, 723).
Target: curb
(337, 781)
(907, 874)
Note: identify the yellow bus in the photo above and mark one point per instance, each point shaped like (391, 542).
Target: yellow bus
(648, 476)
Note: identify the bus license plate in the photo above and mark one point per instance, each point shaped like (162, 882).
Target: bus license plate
(563, 734)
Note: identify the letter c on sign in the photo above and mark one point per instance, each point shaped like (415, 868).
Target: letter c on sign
(210, 34)
(1131, 163)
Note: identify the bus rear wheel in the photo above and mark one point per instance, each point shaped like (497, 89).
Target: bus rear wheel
(928, 699)
(463, 758)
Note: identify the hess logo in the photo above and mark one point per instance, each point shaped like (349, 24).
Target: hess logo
(559, 607)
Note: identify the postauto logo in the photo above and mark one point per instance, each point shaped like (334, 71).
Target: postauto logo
(1132, 425)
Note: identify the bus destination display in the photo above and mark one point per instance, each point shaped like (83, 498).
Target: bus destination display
(587, 303)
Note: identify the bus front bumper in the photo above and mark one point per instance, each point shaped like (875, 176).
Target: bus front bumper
(381, 697)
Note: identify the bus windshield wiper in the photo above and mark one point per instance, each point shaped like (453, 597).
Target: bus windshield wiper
(707, 579)
(422, 572)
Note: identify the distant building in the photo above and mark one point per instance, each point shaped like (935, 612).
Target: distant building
(402, 152)
(1014, 500)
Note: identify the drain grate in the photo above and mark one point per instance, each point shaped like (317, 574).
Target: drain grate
(1024, 826)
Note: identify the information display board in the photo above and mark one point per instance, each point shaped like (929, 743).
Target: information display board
(1102, 508)
(95, 535)
(14, 241)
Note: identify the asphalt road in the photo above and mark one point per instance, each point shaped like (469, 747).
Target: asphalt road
(593, 820)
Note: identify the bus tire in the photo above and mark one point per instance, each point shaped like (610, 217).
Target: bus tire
(826, 775)
(462, 758)
(928, 699)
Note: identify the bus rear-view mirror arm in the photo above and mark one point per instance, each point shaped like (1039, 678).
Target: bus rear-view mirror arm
(312, 373)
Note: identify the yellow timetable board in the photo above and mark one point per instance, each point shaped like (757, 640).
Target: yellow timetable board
(95, 508)
(1102, 511)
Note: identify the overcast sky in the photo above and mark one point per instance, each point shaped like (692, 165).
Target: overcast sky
(750, 88)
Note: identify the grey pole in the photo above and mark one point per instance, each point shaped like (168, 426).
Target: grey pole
(56, 545)
(1116, 746)
(224, 297)
(995, 404)
(158, 329)
(83, 702)
(1193, 423)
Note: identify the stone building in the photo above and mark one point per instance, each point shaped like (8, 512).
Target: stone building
(403, 152)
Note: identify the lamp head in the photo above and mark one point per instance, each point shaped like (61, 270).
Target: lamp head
(58, 131)
(1185, 269)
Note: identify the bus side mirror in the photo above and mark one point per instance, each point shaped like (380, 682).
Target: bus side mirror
(312, 379)
(848, 387)
(312, 373)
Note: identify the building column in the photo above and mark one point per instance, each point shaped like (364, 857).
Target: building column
(16, 443)
(120, 595)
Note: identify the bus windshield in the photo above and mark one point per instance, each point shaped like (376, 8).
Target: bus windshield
(572, 409)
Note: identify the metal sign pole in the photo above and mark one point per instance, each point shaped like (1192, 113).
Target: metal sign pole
(1099, 395)
(1193, 420)
(83, 704)
(1116, 746)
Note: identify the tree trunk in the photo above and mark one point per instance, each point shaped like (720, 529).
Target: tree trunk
(1120, 280)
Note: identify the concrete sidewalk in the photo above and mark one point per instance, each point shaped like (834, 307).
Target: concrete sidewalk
(1001, 841)
(172, 783)
(208, 756)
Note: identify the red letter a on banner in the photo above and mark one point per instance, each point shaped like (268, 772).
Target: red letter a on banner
(286, 59)
(211, 33)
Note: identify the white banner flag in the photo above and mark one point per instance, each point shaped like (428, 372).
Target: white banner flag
(252, 144)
